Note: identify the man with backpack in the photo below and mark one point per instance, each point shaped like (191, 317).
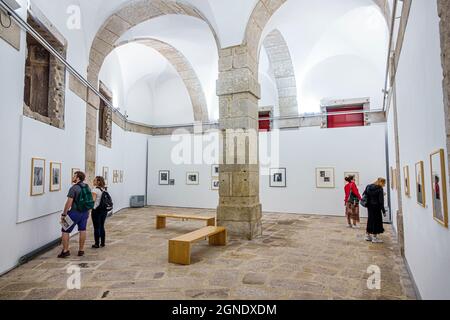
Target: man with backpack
(79, 203)
(102, 206)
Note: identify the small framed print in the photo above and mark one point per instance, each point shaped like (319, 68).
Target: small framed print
(105, 175)
(192, 178)
(406, 181)
(215, 184)
(37, 186)
(55, 176)
(171, 182)
(164, 177)
(354, 174)
(439, 187)
(215, 170)
(420, 184)
(278, 178)
(325, 178)
(121, 176)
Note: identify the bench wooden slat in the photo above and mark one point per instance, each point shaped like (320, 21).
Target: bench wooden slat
(161, 219)
(199, 234)
(182, 216)
(180, 247)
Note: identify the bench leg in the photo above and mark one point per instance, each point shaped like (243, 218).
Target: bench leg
(160, 222)
(179, 252)
(211, 222)
(219, 239)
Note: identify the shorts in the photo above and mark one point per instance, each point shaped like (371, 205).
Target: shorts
(79, 219)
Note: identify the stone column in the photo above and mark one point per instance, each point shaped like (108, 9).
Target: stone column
(91, 135)
(238, 90)
(444, 14)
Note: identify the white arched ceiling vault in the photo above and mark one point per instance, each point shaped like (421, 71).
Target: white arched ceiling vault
(131, 14)
(282, 69)
(146, 86)
(338, 51)
(185, 71)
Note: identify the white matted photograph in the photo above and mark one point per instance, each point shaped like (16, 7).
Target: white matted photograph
(192, 178)
(55, 176)
(164, 177)
(37, 177)
(278, 178)
(325, 178)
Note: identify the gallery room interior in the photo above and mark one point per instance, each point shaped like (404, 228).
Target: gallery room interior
(224, 131)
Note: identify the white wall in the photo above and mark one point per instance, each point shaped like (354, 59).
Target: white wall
(301, 152)
(422, 131)
(27, 223)
(128, 154)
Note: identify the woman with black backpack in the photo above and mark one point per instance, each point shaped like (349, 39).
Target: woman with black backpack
(102, 206)
(373, 200)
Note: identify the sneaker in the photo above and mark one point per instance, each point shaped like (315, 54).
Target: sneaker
(349, 226)
(376, 240)
(355, 226)
(95, 246)
(368, 238)
(102, 245)
(81, 253)
(63, 254)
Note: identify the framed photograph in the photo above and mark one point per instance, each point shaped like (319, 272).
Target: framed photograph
(37, 177)
(171, 182)
(355, 174)
(164, 177)
(55, 176)
(105, 175)
(215, 184)
(121, 176)
(325, 178)
(192, 178)
(215, 170)
(439, 187)
(278, 178)
(420, 184)
(406, 181)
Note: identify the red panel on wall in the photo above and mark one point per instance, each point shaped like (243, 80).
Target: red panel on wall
(264, 122)
(346, 120)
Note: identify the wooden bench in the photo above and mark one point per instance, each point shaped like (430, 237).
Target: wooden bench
(161, 219)
(180, 247)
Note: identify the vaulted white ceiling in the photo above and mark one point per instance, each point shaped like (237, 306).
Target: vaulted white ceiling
(321, 35)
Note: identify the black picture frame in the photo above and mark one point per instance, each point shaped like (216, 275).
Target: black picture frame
(281, 172)
(166, 181)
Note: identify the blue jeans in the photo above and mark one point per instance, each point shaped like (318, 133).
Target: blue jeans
(98, 219)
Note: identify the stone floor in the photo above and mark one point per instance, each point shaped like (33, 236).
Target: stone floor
(298, 257)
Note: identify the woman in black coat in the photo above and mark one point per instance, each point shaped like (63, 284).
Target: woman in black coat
(375, 206)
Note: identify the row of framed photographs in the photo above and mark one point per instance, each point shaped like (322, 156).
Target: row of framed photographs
(325, 178)
(38, 172)
(438, 185)
(192, 179)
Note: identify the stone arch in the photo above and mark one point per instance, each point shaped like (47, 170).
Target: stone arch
(281, 61)
(265, 9)
(186, 72)
(128, 16)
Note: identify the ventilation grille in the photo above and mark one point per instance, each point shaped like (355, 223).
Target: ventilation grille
(137, 202)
